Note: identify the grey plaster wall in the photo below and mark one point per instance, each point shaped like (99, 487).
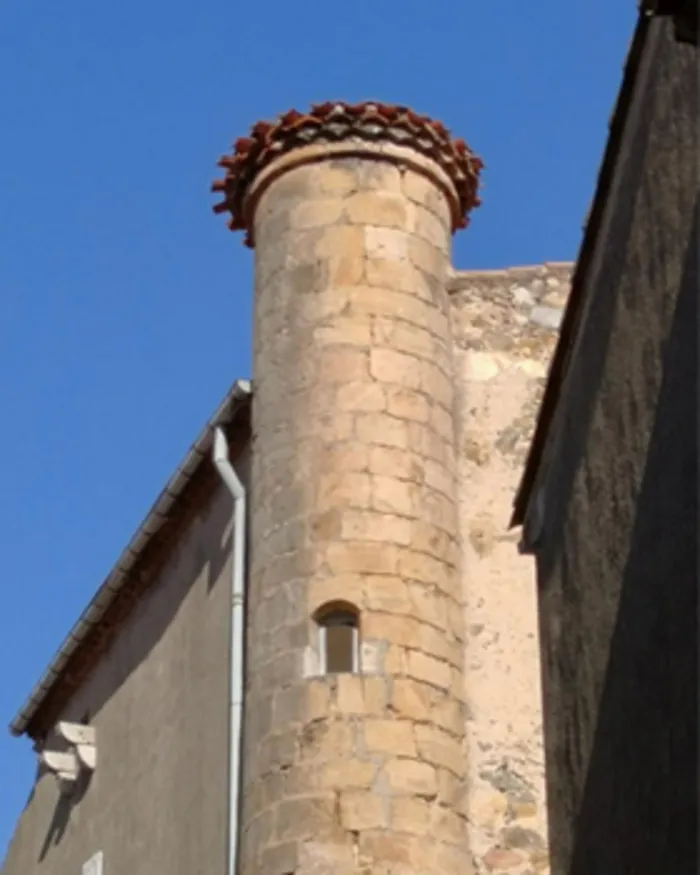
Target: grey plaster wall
(157, 800)
(617, 558)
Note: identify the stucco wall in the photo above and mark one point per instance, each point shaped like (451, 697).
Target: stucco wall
(504, 327)
(158, 699)
(617, 556)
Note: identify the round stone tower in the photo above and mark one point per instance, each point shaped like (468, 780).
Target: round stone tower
(354, 717)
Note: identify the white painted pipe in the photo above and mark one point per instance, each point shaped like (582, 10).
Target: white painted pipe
(236, 654)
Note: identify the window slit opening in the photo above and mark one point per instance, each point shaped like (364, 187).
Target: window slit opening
(339, 642)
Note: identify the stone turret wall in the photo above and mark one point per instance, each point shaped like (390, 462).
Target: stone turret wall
(504, 325)
(354, 501)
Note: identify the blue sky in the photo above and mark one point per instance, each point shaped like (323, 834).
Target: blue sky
(125, 305)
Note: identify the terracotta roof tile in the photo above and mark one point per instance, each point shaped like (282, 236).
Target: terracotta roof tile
(335, 122)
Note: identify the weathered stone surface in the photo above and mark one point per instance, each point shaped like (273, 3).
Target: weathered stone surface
(413, 777)
(504, 328)
(548, 317)
(502, 860)
(354, 491)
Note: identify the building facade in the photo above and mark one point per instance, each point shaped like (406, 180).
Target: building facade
(391, 711)
(609, 499)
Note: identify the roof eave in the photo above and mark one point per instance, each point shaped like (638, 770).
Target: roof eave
(579, 282)
(235, 399)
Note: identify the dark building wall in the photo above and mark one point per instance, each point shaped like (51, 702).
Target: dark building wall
(617, 554)
(157, 801)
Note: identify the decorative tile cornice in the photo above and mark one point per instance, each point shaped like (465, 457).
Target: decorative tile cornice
(340, 122)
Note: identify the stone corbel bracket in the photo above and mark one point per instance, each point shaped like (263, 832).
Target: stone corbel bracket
(79, 758)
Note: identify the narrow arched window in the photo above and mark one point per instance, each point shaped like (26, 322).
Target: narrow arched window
(338, 640)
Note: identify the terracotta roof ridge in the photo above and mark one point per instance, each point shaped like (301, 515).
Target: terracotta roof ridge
(338, 122)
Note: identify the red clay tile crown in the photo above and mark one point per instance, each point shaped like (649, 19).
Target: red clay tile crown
(337, 122)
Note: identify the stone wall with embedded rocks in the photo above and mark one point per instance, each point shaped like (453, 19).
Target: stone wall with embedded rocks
(504, 326)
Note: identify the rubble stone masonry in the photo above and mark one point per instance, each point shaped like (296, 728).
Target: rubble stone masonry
(354, 502)
(504, 324)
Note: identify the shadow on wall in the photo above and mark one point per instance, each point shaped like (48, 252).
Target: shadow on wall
(199, 552)
(622, 629)
(199, 556)
(641, 782)
(63, 810)
(617, 567)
